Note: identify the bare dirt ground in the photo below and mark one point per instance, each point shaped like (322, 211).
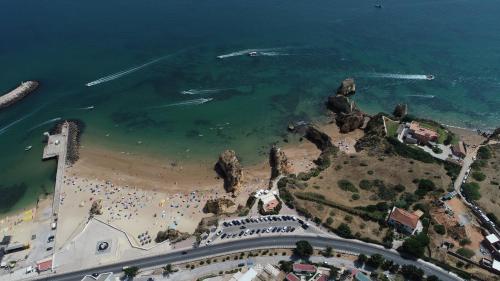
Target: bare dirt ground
(392, 170)
(490, 187)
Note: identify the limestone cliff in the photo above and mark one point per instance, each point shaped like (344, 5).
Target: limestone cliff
(401, 110)
(279, 162)
(228, 167)
(321, 140)
(217, 206)
(347, 116)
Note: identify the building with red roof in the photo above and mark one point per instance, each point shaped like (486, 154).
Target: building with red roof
(303, 268)
(44, 265)
(422, 134)
(292, 277)
(404, 221)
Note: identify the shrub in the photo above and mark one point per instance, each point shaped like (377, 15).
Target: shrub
(411, 272)
(464, 252)
(424, 186)
(479, 176)
(471, 191)
(329, 220)
(355, 196)
(370, 172)
(365, 184)
(343, 230)
(465, 241)
(484, 153)
(399, 187)
(437, 150)
(440, 229)
(375, 260)
(347, 185)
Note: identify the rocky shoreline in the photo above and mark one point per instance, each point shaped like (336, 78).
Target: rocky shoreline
(18, 93)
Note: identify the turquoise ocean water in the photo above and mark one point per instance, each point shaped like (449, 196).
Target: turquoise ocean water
(241, 102)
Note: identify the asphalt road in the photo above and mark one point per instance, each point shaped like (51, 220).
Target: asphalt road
(252, 243)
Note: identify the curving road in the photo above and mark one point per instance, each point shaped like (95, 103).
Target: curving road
(252, 243)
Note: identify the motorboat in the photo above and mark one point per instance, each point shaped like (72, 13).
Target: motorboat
(29, 147)
(253, 54)
(429, 77)
(378, 6)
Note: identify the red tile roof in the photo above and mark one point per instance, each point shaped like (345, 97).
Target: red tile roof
(44, 265)
(404, 217)
(300, 267)
(322, 278)
(292, 277)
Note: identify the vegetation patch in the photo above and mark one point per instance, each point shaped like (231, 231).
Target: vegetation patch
(347, 185)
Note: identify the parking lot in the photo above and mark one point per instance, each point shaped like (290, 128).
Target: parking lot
(256, 226)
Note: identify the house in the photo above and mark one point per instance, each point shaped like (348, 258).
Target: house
(496, 266)
(493, 243)
(405, 221)
(423, 135)
(101, 277)
(44, 265)
(269, 202)
(305, 269)
(292, 277)
(458, 149)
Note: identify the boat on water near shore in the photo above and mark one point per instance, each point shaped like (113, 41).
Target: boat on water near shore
(429, 77)
(18, 93)
(253, 54)
(29, 147)
(378, 6)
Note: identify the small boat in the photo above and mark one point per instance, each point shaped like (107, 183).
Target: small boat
(29, 147)
(253, 54)
(378, 6)
(429, 77)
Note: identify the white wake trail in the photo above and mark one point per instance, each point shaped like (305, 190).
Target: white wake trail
(258, 52)
(399, 76)
(5, 128)
(422, 96)
(185, 103)
(45, 123)
(122, 73)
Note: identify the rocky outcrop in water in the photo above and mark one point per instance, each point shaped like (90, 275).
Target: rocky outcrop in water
(347, 116)
(18, 93)
(400, 111)
(217, 206)
(279, 162)
(347, 88)
(228, 167)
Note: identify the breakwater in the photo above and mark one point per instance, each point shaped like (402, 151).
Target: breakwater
(18, 93)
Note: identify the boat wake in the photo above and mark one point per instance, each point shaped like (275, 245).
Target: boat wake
(254, 53)
(202, 91)
(185, 103)
(5, 128)
(401, 76)
(422, 96)
(45, 123)
(122, 73)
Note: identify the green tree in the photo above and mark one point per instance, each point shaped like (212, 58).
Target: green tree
(479, 176)
(343, 230)
(375, 260)
(303, 249)
(286, 266)
(471, 191)
(433, 278)
(415, 245)
(167, 269)
(362, 258)
(484, 153)
(131, 271)
(412, 273)
(328, 252)
(464, 252)
(329, 220)
(440, 229)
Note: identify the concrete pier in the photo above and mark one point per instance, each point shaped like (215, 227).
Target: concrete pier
(57, 147)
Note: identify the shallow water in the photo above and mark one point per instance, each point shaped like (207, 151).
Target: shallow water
(139, 57)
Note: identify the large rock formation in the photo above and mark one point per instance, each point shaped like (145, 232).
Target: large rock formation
(228, 167)
(347, 116)
(96, 208)
(401, 110)
(321, 140)
(347, 88)
(218, 206)
(279, 162)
